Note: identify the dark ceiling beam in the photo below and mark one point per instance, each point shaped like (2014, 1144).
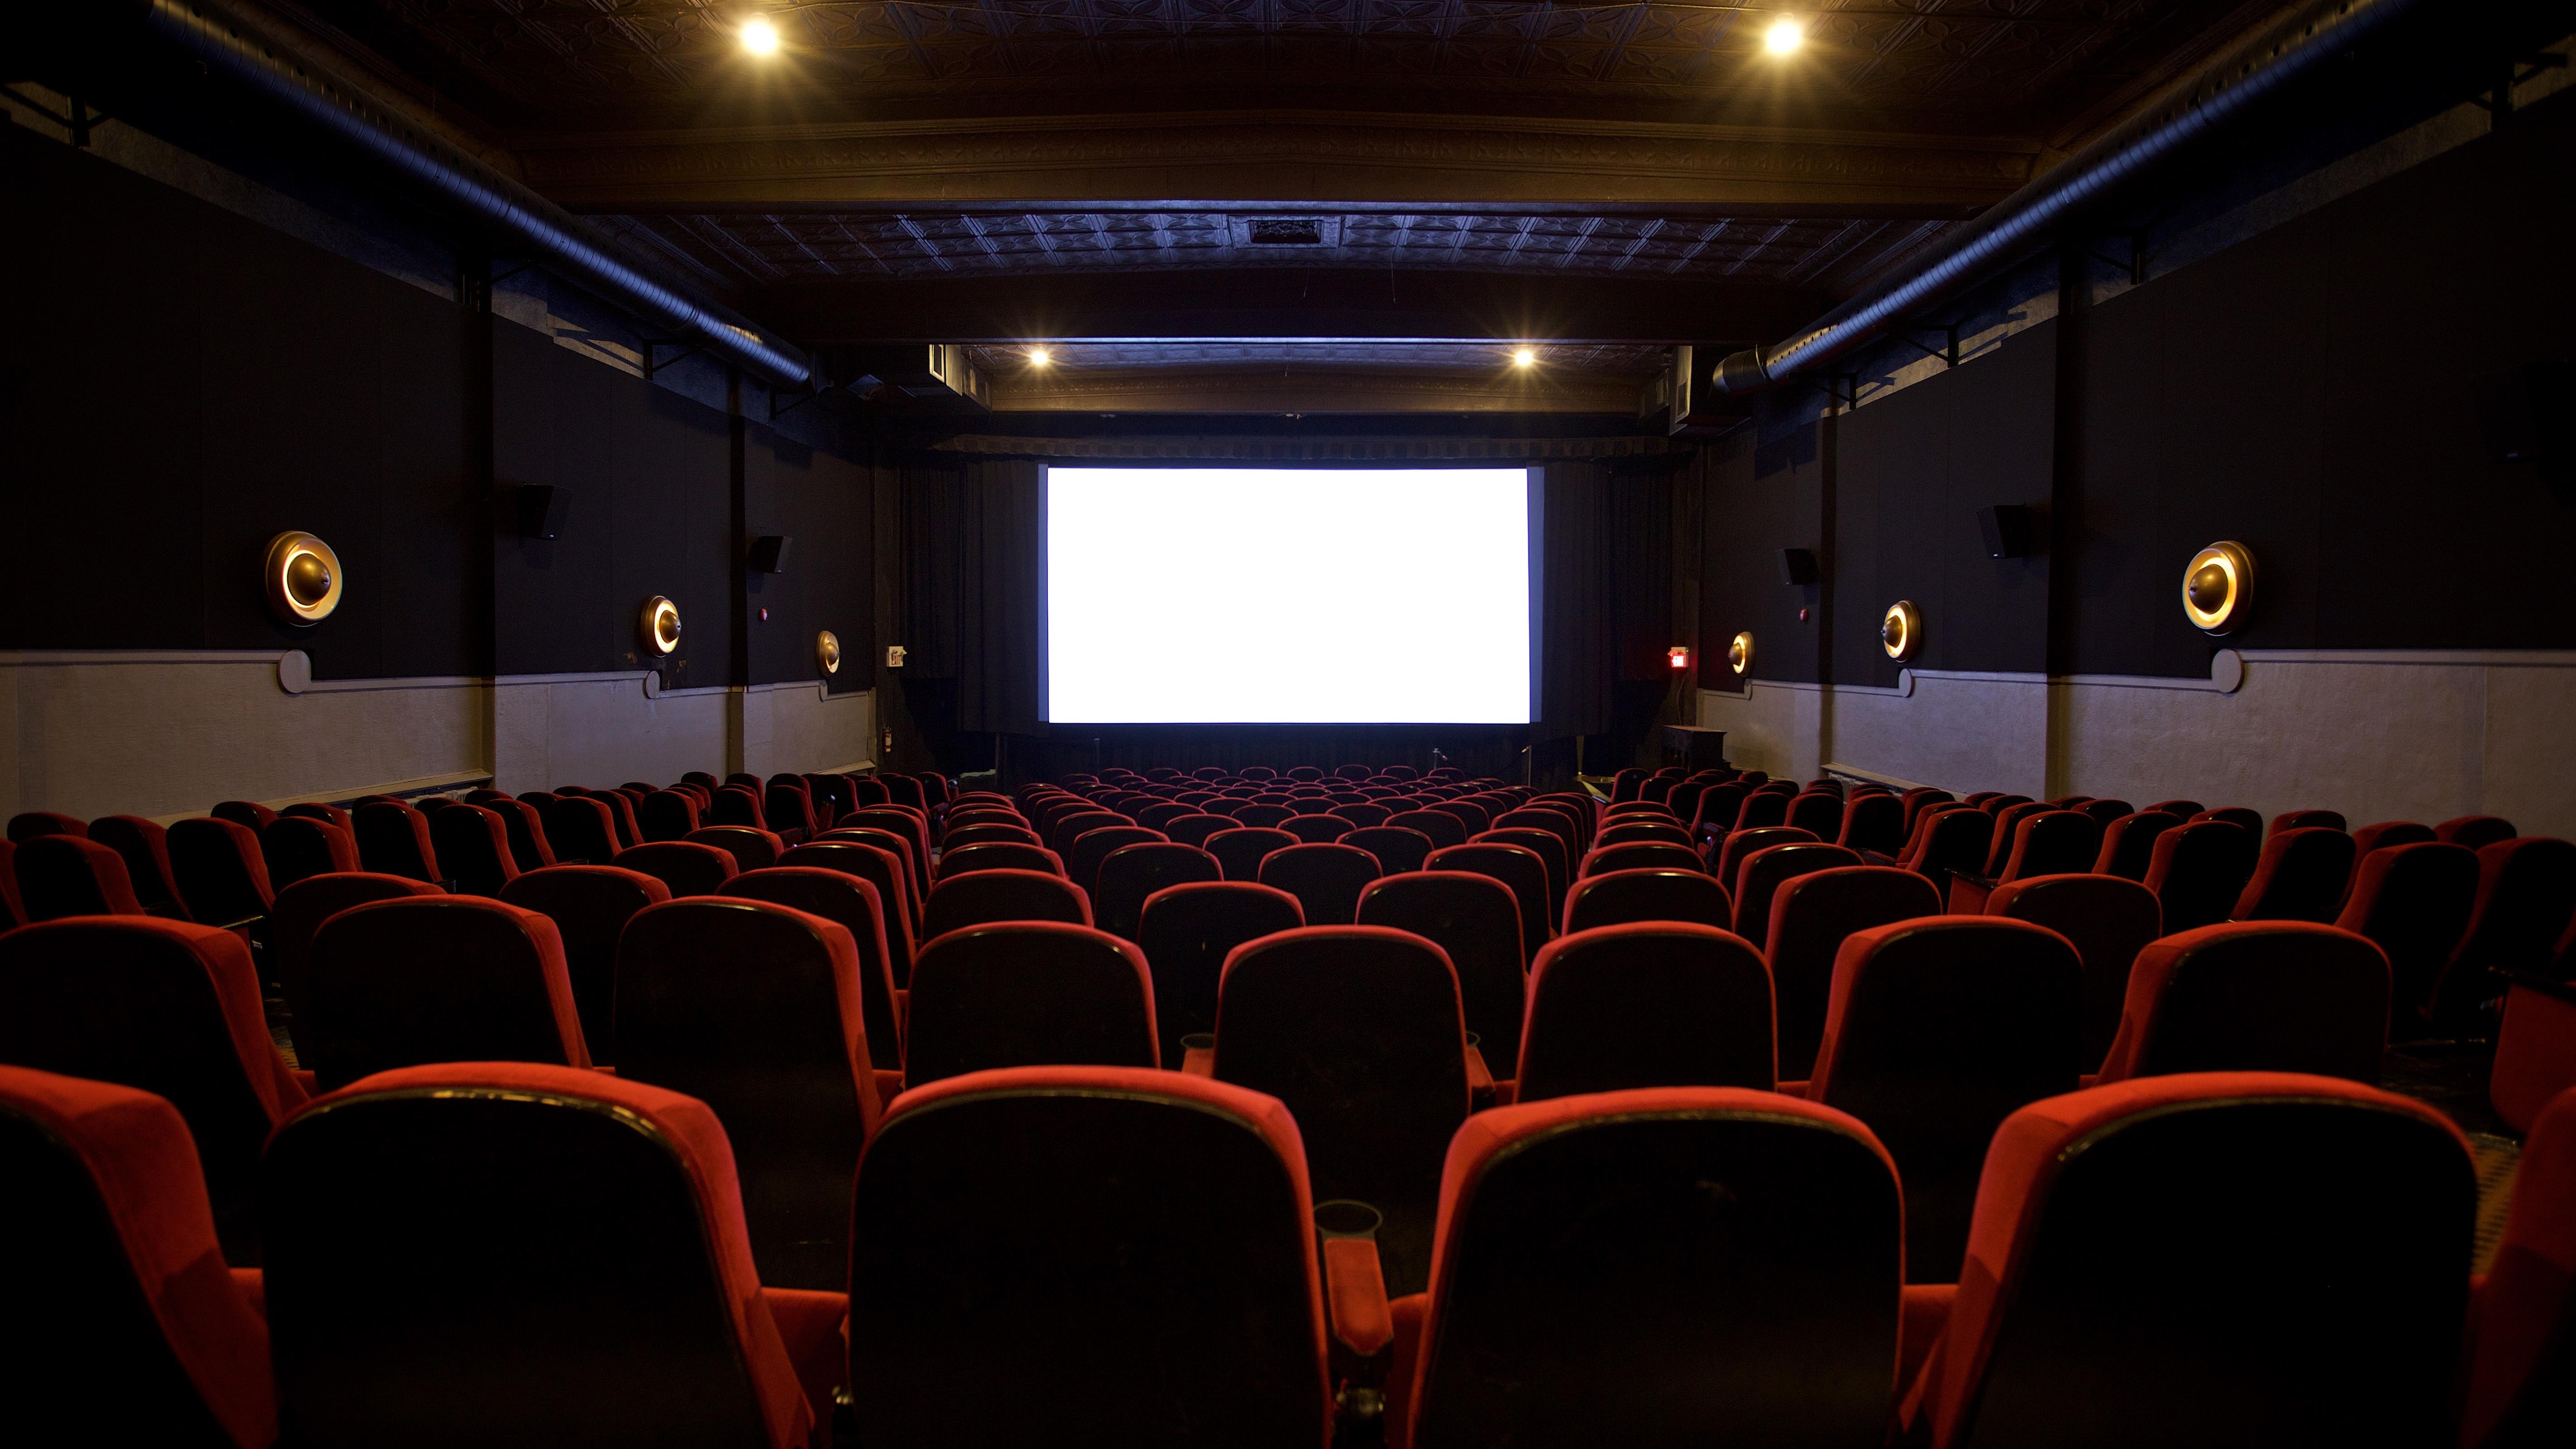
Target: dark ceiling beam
(1258, 158)
(1305, 388)
(1064, 304)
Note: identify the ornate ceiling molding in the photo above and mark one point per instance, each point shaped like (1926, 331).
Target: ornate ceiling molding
(1276, 158)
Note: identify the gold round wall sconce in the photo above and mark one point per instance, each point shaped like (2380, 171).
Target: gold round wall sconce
(303, 579)
(2218, 588)
(827, 652)
(1900, 630)
(659, 626)
(1739, 652)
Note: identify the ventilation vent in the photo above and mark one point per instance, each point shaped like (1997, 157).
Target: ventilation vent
(1292, 231)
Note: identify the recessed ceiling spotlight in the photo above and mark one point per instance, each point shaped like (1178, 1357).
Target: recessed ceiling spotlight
(1784, 36)
(1524, 357)
(1040, 357)
(760, 37)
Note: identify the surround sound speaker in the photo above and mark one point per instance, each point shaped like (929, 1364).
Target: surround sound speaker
(542, 510)
(1797, 566)
(2011, 529)
(769, 553)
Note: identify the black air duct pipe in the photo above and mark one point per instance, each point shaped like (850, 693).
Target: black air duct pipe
(2023, 223)
(547, 232)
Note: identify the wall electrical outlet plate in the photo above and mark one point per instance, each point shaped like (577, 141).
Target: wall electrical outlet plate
(894, 656)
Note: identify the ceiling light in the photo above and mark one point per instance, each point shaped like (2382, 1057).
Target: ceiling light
(760, 37)
(1524, 357)
(1784, 36)
(1040, 357)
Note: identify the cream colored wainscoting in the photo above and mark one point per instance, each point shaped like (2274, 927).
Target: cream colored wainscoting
(2378, 734)
(158, 733)
(167, 733)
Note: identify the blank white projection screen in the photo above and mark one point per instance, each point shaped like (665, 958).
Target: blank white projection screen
(1288, 596)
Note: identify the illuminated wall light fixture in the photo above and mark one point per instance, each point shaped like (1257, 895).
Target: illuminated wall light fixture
(1040, 357)
(1739, 652)
(2218, 588)
(1525, 357)
(760, 37)
(827, 652)
(1784, 36)
(303, 579)
(1900, 631)
(658, 627)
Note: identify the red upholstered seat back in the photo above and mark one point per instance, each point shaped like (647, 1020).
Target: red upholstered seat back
(65, 875)
(473, 848)
(1647, 1004)
(2301, 875)
(1810, 917)
(987, 896)
(394, 839)
(2521, 1381)
(2255, 996)
(1699, 1326)
(590, 906)
(1651, 894)
(1050, 1229)
(551, 1245)
(852, 903)
(1240, 849)
(1131, 874)
(1325, 879)
(1026, 993)
(165, 1008)
(2306, 1236)
(750, 847)
(219, 871)
(1760, 875)
(669, 815)
(145, 849)
(121, 1323)
(1187, 931)
(2198, 871)
(1475, 919)
(881, 867)
(2413, 902)
(436, 978)
(2109, 921)
(687, 867)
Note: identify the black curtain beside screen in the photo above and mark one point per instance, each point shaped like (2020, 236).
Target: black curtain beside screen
(973, 554)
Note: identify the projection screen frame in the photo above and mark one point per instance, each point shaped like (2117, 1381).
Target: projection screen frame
(1534, 489)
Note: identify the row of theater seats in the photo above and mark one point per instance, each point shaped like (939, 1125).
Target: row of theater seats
(226, 868)
(1939, 1026)
(518, 1254)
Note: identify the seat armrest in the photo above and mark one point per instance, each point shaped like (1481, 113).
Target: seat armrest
(814, 1327)
(1793, 1089)
(1968, 893)
(1480, 1080)
(1926, 1312)
(889, 1084)
(252, 1284)
(311, 1083)
(1355, 1293)
(1199, 1061)
(1506, 1092)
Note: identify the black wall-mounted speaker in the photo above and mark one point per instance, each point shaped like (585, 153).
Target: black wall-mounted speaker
(769, 553)
(1797, 566)
(2011, 529)
(541, 510)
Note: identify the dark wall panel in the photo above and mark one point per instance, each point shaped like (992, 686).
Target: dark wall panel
(1766, 487)
(2309, 393)
(179, 384)
(1911, 472)
(651, 512)
(827, 506)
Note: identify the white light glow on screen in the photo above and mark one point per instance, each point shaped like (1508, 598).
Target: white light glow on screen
(1288, 596)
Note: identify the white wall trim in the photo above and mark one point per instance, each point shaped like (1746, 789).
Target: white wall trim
(1874, 777)
(47, 658)
(2489, 658)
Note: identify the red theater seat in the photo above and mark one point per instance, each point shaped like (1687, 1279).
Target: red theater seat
(1652, 1004)
(2306, 820)
(590, 906)
(2250, 821)
(686, 867)
(2301, 875)
(1131, 874)
(121, 1324)
(1635, 830)
(582, 830)
(145, 849)
(2199, 870)
(1587, 1293)
(2526, 897)
(473, 849)
(912, 830)
(1549, 847)
(407, 982)
(2255, 996)
(1325, 879)
(1317, 829)
(2389, 833)
(1195, 829)
(1046, 1255)
(2051, 842)
(1543, 814)
(1874, 822)
(2413, 901)
(1357, 1030)
(65, 875)
(2222, 1258)
(789, 810)
(1091, 847)
(297, 847)
(2477, 832)
(1810, 917)
(751, 849)
(1623, 896)
(987, 896)
(998, 855)
(1186, 932)
(1025, 994)
(1937, 1030)
(851, 903)
(219, 872)
(165, 1008)
(1474, 918)
(2129, 843)
(1396, 847)
(1520, 870)
(1953, 842)
(668, 815)
(737, 805)
(551, 1247)
(2109, 921)
(756, 1009)
(1240, 849)
(33, 823)
(2521, 1378)
(1742, 843)
(882, 868)
(1643, 855)
(1760, 875)
(298, 915)
(988, 833)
